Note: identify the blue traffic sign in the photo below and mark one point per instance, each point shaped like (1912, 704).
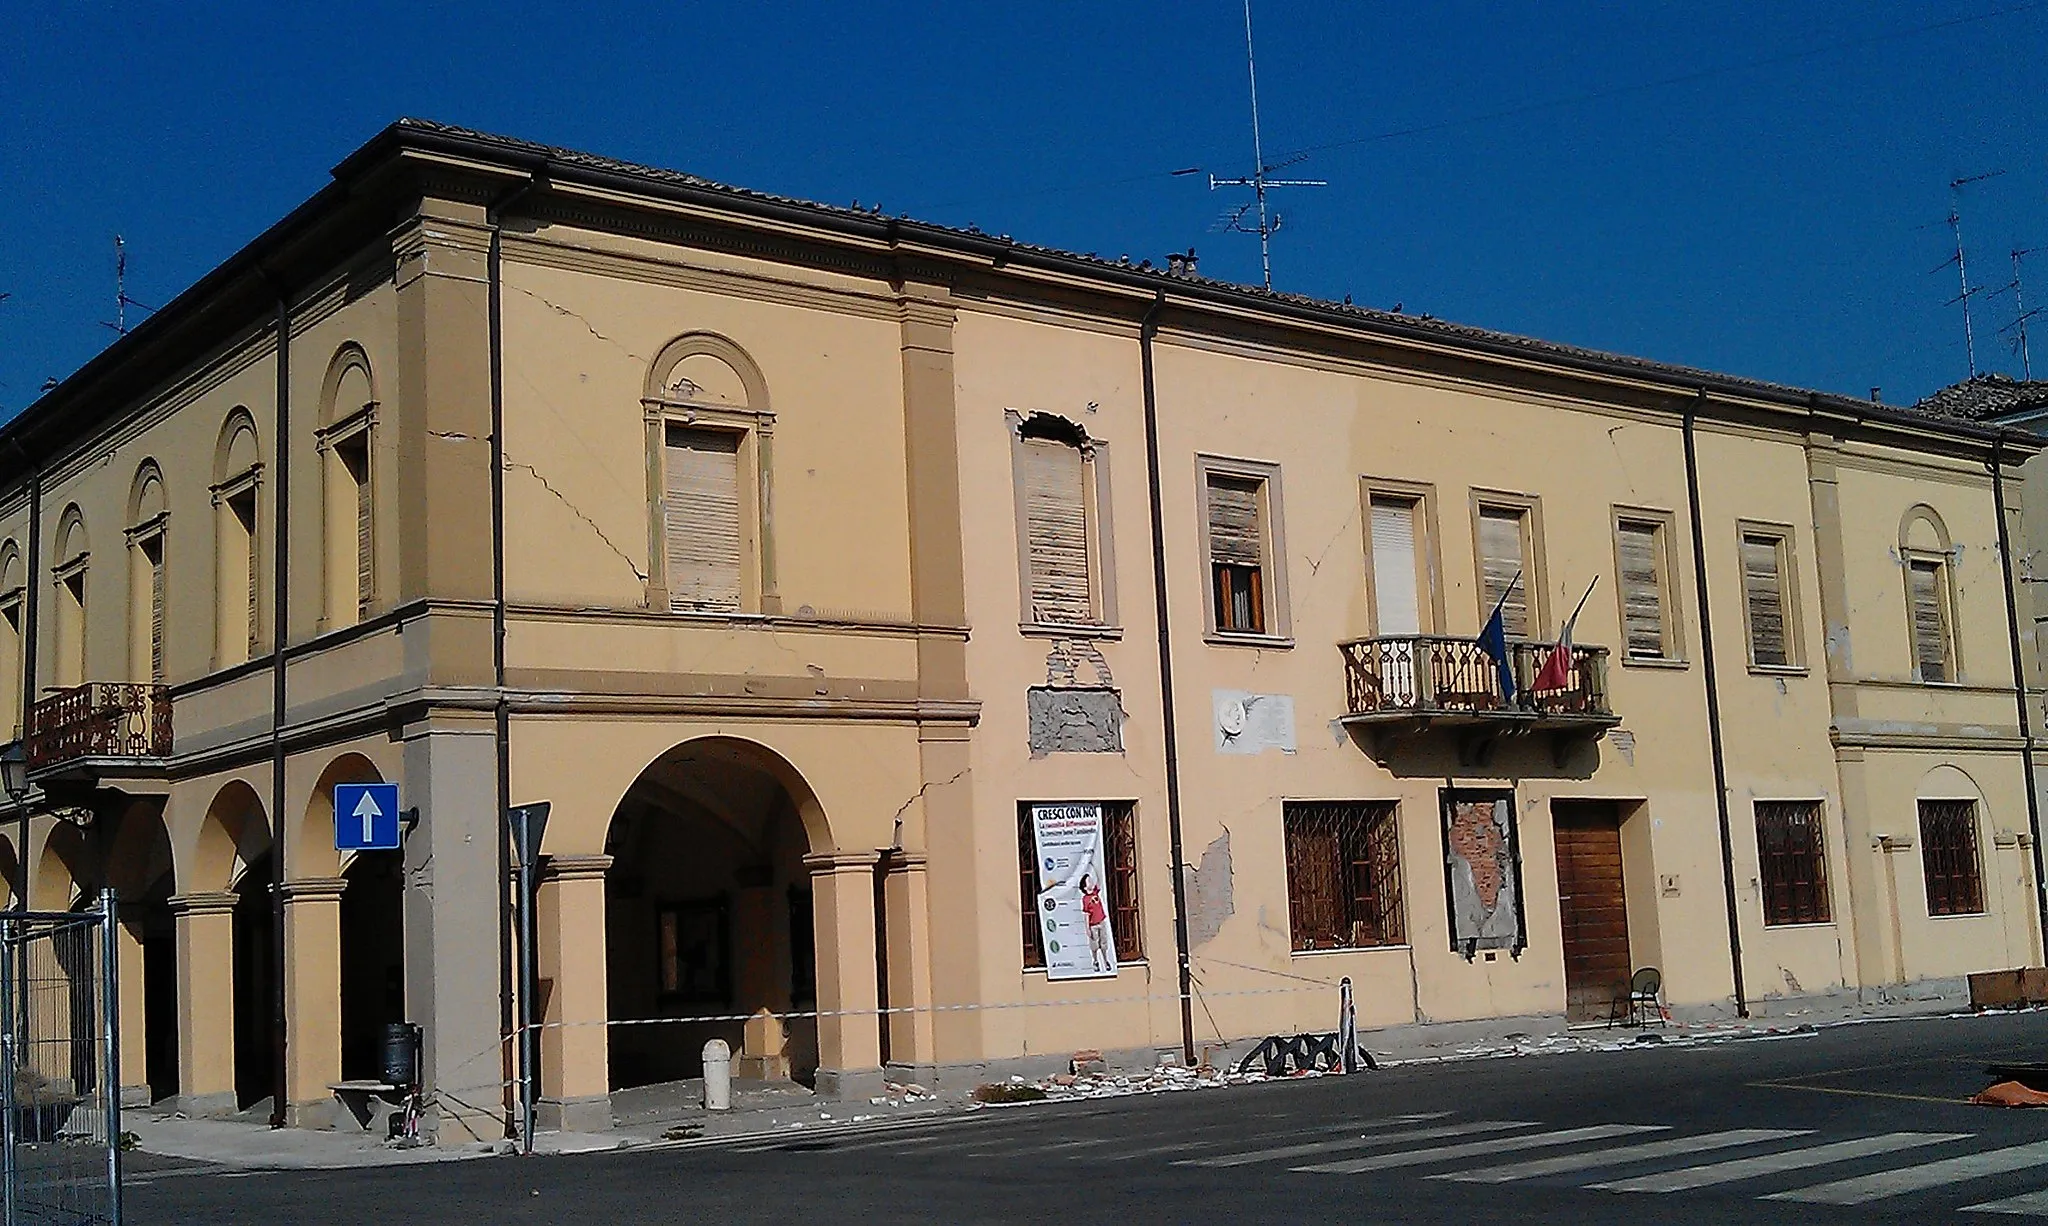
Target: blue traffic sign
(365, 816)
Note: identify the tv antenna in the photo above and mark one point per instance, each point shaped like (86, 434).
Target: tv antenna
(1962, 263)
(121, 299)
(1260, 179)
(2018, 327)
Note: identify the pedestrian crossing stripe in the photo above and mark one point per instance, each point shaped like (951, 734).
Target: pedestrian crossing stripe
(1674, 1147)
(1785, 1160)
(1897, 1182)
(1449, 1153)
(1361, 1141)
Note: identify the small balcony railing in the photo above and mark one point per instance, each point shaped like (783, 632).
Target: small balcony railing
(100, 719)
(1430, 676)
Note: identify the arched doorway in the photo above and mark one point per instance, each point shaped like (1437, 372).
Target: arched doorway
(62, 995)
(371, 937)
(708, 915)
(232, 926)
(139, 867)
(255, 982)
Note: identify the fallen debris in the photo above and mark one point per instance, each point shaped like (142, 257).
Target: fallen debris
(2009, 1094)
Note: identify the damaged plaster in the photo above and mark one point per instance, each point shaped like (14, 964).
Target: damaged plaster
(1067, 719)
(1211, 891)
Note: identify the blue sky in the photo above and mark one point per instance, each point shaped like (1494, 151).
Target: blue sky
(1756, 188)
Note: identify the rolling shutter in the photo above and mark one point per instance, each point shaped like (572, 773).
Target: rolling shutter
(1642, 595)
(700, 508)
(255, 617)
(1056, 530)
(1235, 538)
(1930, 634)
(1393, 568)
(1500, 561)
(155, 557)
(359, 468)
(1762, 588)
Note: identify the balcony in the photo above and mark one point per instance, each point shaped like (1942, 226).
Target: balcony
(1405, 686)
(98, 730)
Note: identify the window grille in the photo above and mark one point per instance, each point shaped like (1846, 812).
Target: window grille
(1948, 857)
(1792, 856)
(1343, 875)
(1120, 841)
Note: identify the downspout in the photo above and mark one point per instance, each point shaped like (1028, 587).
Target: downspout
(281, 518)
(2019, 682)
(1699, 577)
(502, 708)
(1147, 329)
(31, 606)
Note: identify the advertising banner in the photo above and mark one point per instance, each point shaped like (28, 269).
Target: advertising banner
(1073, 892)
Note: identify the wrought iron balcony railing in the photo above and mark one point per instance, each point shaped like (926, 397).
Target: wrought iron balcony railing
(1435, 677)
(100, 719)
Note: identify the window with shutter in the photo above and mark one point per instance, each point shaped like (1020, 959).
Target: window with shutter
(1237, 553)
(1926, 584)
(701, 518)
(1343, 874)
(1396, 597)
(1763, 590)
(11, 645)
(1791, 855)
(238, 597)
(153, 557)
(1057, 546)
(1642, 588)
(355, 582)
(1501, 559)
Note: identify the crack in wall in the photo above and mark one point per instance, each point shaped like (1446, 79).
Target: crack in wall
(577, 511)
(896, 818)
(589, 327)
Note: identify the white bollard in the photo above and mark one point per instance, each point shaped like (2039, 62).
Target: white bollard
(717, 1076)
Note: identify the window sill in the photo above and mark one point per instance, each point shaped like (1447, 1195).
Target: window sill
(1121, 967)
(1073, 630)
(1779, 670)
(1943, 685)
(1349, 949)
(1669, 665)
(1770, 927)
(1959, 915)
(1229, 638)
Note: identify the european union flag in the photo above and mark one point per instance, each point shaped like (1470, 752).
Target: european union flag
(1493, 640)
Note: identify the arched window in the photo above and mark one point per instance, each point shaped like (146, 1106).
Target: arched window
(709, 442)
(73, 553)
(347, 466)
(12, 591)
(238, 480)
(148, 513)
(1927, 556)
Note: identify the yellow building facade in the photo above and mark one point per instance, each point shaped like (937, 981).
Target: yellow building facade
(798, 556)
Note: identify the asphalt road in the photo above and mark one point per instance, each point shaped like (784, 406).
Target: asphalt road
(1852, 1124)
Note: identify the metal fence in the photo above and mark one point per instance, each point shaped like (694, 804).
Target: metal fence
(60, 1087)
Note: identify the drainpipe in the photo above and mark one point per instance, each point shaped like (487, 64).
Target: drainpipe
(31, 605)
(2019, 681)
(1699, 576)
(494, 218)
(1147, 329)
(281, 518)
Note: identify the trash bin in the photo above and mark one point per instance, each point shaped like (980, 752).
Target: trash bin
(402, 1054)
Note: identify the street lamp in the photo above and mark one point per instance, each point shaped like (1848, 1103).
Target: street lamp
(14, 771)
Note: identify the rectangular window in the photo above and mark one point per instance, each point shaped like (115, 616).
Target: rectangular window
(693, 944)
(1059, 555)
(71, 630)
(1927, 587)
(1396, 570)
(700, 509)
(1237, 553)
(241, 627)
(10, 663)
(1343, 874)
(1503, 567)
(353, 573)
(1763, 593)
(1120, 841)
(146, 628)
(1948, 857)
(1640, 545)
(1792, 856)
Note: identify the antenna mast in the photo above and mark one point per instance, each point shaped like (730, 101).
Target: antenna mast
(121, 299)
(2021, 313)
(1259, 182)
(1962, 263)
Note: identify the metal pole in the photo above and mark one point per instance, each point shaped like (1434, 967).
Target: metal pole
(529, 1038)
(10, 1035)
(110, 1008)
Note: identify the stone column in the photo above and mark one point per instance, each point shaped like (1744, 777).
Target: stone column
(312, 997)
(843, 914)
(134, 1022)
(911, 1049)
(206, 1002)
(575, 1049)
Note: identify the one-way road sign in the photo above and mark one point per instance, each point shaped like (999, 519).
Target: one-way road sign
(365, 816)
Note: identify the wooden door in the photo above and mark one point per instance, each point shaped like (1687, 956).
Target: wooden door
(1591, 906)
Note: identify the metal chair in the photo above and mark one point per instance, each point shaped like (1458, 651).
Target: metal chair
(1636, 1004)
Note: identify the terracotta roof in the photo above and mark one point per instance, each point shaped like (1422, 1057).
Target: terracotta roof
(1986, 398)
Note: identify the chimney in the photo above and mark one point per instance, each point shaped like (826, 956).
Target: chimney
(1187, 262)
(1876, 395)
(1175, 267)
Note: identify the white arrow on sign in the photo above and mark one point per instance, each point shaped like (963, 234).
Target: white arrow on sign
(367, 812)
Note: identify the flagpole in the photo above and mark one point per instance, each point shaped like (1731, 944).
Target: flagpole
(1578, 608)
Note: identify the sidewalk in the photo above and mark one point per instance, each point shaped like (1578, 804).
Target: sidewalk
(666, 1117)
